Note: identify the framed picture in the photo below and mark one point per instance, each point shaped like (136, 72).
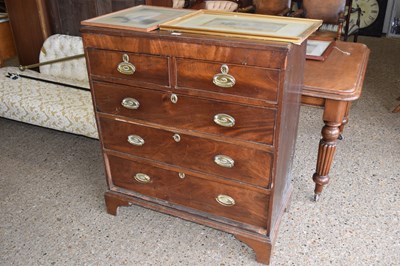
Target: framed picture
(138, 18)
(318, 50)
(254, 26)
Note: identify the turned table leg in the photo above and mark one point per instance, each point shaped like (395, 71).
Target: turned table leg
(345, 121)
(334, 114)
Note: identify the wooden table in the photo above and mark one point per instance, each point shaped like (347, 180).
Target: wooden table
(333, 85)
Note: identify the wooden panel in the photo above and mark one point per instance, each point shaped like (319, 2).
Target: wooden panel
(167, 3)
(251, 123)
(122, 4)
(250, 165)
(250, 82)
(30, 28)
(150, 70)
(250, 206)
(7, 48)
(65, 15)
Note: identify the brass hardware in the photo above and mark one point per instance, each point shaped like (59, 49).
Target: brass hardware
(223, 79)
(224, 161)
(224, 120)
(22, 68)
(126, 67)
(174, 98)
(130, 103)
(182, 175)
(177, 137)
(225, 200)
(142, 178)
(135, 140)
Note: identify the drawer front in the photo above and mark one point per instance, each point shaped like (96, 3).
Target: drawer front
(146, 70)
(229, 200)
(231, 161)
(249, 123)
(249, 82)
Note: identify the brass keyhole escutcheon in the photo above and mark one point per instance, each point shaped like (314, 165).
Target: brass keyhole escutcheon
(176, 137)
(182, 175)
(174, 98)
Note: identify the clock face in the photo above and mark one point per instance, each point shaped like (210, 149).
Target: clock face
(369, 12)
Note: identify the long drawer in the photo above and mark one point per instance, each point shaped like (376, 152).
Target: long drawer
(242, 122)
(230, 79)
(137, 69)
(230, 200)
(209, 156)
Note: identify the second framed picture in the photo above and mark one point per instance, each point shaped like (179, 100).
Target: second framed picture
(253, 26)
(318, 50)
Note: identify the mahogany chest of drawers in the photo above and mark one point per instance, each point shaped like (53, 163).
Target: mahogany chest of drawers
(199, 127)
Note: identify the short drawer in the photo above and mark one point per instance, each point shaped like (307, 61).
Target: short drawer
(139, 69)
(231, 79)
(226, 199)
(209, 156)
(242, 122)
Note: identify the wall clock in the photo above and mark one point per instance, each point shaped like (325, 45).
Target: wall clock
(372, 16)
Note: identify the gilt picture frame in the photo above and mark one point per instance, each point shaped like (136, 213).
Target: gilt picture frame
(139, 18)
(253, 26)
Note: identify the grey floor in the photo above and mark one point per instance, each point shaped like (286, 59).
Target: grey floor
(52, 209)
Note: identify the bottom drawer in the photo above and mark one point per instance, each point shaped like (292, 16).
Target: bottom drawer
(222, 198)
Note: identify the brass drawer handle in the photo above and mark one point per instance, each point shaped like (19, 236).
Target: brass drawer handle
(135, 140)
(130, 103)
(224, 120)
(225, 200)
(224, 161)
(142, 178)
(126, 67)
(223, 79)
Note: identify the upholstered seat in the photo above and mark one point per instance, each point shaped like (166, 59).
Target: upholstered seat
(32, 100)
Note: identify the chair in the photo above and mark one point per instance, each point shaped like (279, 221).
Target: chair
(272, 7)
(336, 17)
(231, 5)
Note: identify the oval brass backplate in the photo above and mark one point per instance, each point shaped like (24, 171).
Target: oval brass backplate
(224, 161)
(224, 120)
(135, 140)
(130, 103)
(225, 200)
(126, 67)
(142, 178)
(223, 79)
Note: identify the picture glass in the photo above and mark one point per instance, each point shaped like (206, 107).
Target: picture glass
(144, 18)
(251, 25)
(317, 48)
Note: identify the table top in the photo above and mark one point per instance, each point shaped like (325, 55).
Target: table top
(340, 76)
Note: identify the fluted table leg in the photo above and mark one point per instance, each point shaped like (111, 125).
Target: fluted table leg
(335, 113)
